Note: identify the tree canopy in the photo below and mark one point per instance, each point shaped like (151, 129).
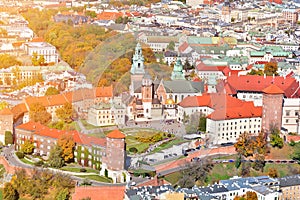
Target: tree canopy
(55, 157)
(271, 68)
(51, 91)
(67, 145)
(65, 113)
(38, 113)
(7, 60)
(27, 147)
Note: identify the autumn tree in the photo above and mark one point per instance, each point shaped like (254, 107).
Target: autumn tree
(38, 113)
(248, 196)
(67, 144)
(55, 157)
(9, 192)
(51, 91)
(65, 113)
(261, 145)
(271, 68)
(27, 147)
(244, 145)
(3, 104)
(273, 173)
(7, 60)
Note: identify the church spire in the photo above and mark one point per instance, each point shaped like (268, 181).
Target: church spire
(177, 73)
(137, 66)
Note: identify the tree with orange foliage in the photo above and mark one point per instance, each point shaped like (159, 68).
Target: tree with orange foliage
(67, 144)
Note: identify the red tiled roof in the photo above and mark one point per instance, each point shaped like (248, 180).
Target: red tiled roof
(5, 111)
(183, 47)
(19, 110)
(247, 110)
(38, 39)
(109, 15)
(203, 67)
(273, 89)
(110, 192)
(255, 83)
(213, 100)
(69, 97)
(116, 134)
(295, 138)
(42, 130)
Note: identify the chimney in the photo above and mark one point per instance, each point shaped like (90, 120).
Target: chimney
(265, 75)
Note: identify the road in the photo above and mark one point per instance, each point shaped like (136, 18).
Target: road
(13, 160)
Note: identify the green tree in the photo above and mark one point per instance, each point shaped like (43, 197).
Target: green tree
(275, 139)
(8, 138)
(51, 91)
(27, 147)
(296, 154)
(259, 162)
(171, 46)
(65, 113)
(91, 14)
(271, 68)
(202, 124)
(55, 158)
(9, 192)
(38, 113)
(67, 145)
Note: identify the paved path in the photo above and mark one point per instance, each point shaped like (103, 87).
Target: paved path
(200, 154)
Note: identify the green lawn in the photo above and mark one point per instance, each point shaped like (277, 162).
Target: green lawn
(224, 171)
(169, 144)
(24, 160)
(96, 178)
(88, 126)
(173, 178)
(77, 169)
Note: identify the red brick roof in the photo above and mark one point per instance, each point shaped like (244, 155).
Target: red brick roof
(19, 110)
(247, 110)
(5, 111)
(109, 15)
(39, 129)
(204, 67)
(273, 89)
(255, 83)
(69, 97)
(183, 47)
(295, 138)
(213, 100)
(116, 134)
(110, 192)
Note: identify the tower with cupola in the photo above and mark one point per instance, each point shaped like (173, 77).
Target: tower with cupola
(137, 70)
(177, 73)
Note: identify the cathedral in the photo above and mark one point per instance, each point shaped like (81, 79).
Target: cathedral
(157, 99)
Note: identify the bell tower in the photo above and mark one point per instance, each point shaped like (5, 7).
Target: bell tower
(137, 70)
(147, 88)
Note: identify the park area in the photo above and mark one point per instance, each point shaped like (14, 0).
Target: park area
(139, 140)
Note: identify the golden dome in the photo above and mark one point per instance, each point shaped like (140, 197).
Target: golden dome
(170, 101)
